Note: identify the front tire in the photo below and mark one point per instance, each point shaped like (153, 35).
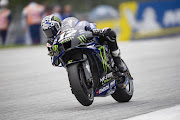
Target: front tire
(82, 90)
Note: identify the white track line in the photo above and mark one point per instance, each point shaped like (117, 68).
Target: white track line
(172, 113)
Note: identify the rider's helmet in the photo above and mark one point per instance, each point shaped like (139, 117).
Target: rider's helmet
(51, 25)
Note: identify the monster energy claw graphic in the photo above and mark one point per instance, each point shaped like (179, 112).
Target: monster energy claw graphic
(56, 19)
(103, 57)
(55, 48)
(82, 38)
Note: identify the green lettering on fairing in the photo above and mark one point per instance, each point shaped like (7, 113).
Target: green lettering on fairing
(105, 81)
(70, 61)
(67, 40)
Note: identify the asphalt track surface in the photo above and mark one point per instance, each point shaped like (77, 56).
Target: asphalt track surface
(32, 89)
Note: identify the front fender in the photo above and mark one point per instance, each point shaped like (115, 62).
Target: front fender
(85, 64)
(70, 62)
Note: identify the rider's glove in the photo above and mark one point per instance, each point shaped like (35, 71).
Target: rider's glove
(97, 32)
(50, 49)
(56, 62)
(100, 32)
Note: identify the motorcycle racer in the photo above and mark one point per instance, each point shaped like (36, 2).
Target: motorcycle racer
(52, 26)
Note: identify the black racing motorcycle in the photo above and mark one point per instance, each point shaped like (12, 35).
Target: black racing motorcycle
(90, 67)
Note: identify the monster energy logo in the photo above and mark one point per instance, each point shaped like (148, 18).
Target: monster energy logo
(103, 57)
(82, 38)
(55, 48)
(56, 19)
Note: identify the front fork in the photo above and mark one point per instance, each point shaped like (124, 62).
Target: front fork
(87, 70)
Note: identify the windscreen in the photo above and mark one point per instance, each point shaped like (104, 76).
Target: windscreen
(69, 23)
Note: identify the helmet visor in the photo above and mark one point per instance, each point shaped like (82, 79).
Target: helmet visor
(50, 32)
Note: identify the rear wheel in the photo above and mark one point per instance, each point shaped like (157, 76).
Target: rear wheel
(81, 88)
(124, 94)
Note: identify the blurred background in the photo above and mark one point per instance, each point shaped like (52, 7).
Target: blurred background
(132, 20)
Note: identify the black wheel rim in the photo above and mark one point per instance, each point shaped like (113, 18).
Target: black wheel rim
(88, 90)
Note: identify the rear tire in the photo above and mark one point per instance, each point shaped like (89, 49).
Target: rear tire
(124, 94)
(83, 92)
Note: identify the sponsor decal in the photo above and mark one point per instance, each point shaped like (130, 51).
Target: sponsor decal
(67, 36)
(107, 88)
(55, 48)
(140, 20)
(103, 57)
(57, 19)
(106, 78)
(70, 61)
(102, 90)
(126, 82)
(67, 40)
(82, 38)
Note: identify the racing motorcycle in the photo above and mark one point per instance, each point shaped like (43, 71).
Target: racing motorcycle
(90, 67)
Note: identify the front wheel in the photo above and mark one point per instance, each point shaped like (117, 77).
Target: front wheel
(124, 94)
(82, 90)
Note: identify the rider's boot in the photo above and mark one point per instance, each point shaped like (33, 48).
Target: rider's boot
(118, 61)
